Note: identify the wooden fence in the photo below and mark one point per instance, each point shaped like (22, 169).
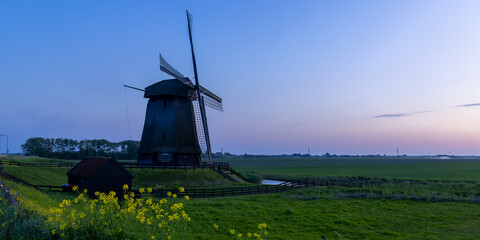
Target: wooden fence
(223, 192)
(129, 165)
(239, 191)
(8, 195)
(53, 188)
(12, 163)
(12, 199)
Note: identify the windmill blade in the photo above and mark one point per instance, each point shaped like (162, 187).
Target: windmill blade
(166, 67)
(211, 100)
(213, 103)
(210, 94)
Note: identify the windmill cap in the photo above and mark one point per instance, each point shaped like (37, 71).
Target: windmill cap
(170, 87)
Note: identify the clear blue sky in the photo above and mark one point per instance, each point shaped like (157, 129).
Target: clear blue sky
(345, 77)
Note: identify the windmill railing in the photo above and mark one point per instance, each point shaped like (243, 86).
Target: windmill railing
(223, 166)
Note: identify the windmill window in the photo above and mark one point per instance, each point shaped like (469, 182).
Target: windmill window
(165, 157)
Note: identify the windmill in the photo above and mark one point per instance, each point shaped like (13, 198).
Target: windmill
(175, 130)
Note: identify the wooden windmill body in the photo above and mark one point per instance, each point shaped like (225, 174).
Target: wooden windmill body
(169, 133)
(175, 129)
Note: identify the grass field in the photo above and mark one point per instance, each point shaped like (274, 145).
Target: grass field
(291, 217)
(356, 212)
(448, 169)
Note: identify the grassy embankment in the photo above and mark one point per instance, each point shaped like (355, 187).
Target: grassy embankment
(56, 176)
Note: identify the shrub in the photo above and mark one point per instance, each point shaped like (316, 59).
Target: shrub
(252, 178)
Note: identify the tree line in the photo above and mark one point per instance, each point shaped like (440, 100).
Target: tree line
(72, 149)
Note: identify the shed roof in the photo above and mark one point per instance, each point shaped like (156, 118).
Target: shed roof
(92, 166)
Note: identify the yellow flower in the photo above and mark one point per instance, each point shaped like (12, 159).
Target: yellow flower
(141, 190)
(215, 226)
(169, 194)
(149, 189)
(125, 187)
(232, 231)
(249, 234)
(266, 233)
(75, 188)
(186, 197)
(239, 235)
(174, 195)
(262, 225)
(181, 189)
(153, 237)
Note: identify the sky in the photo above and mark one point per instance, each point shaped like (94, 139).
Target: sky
(344, 77)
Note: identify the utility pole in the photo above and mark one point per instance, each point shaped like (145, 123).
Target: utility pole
(1, 135)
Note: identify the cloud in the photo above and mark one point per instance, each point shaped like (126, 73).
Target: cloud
(394, 115)
(469, 105)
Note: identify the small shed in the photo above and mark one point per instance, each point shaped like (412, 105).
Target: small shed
(102, 174)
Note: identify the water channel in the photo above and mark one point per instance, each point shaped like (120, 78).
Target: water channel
(272, 182)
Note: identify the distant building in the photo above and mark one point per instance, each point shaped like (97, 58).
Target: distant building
(100, 174)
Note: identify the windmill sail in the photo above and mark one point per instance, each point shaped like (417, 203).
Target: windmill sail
(197, 87)
(202, 141)
(166, 67)
(213, 103)
(211, 100)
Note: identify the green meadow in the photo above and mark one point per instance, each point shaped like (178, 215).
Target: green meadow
(445, 193)
(412, 168)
